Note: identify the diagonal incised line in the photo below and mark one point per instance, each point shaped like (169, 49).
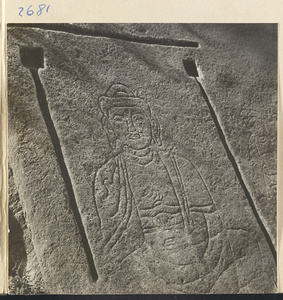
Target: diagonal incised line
(169, 42)
(237, 170)
(64, 171)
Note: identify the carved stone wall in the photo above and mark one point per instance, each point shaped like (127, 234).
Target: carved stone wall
(133, 172)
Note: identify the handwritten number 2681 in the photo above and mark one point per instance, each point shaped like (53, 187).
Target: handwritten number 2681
(30, 11)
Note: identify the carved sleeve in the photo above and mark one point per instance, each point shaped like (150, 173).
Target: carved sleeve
(113, 198)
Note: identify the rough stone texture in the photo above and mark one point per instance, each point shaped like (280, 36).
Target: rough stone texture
(25, 276)
(142, 239)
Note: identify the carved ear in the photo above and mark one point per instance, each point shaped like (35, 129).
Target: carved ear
(111, 136)
(156, 135)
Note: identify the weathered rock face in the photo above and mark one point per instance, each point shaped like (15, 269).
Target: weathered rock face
(135, 177)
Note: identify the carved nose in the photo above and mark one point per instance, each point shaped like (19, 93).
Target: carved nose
(131, 126)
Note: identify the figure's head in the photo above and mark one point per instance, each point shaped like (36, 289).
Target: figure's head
(126, 118)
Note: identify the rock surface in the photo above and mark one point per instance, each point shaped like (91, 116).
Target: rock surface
(175, 218)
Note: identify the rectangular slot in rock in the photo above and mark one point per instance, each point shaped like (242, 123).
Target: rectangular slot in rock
(32, 57)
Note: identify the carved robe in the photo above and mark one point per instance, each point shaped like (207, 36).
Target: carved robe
(157, 211)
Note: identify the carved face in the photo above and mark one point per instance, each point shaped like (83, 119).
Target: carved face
(131, 125)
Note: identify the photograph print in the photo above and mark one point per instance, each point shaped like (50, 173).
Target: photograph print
(142, 158)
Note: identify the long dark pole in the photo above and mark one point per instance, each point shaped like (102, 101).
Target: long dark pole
(191, 70)
(32, 58)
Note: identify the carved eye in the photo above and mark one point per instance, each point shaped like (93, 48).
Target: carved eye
(138, 118)
(118, 118)
(262, 139)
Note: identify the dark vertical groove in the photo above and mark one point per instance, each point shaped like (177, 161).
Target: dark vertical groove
(64, 171)
(237, 171)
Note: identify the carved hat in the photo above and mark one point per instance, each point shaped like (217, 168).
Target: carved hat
(118, 95)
